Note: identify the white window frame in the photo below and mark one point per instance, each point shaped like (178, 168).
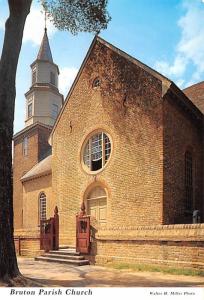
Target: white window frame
(104, 147)
(53, 78)
(25, 146)
(34, 71)
(30, 112)
(42, 206)
(55, 110)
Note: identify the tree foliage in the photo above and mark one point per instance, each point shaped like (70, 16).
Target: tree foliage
(78, 15)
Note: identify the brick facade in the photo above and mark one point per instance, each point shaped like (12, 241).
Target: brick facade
(151, 124)
(150, 130)
(37, 147)
(31, 192)
(135, 128)
(182, 132)
(167, 245)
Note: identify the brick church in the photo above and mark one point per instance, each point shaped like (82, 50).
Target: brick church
(128, 144)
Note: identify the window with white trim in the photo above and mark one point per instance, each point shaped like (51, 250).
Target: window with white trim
(55, 110)
(30, 110)
(52, 78)
(97, 151)
(34, 76)
(25, 146)
(42, 206)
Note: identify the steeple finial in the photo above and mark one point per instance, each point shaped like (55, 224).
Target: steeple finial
(45, 20)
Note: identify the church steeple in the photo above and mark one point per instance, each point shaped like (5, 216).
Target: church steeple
(43, 100)
(45, 51)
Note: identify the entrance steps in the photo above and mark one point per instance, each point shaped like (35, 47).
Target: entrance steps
(64, 256)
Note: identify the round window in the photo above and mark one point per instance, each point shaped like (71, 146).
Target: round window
(97, 151)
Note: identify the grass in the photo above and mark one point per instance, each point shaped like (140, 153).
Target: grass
(153, 268)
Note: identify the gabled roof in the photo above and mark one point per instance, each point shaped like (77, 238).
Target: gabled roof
(45, 51)
(195, 93)
(166, 82)
(40, 169)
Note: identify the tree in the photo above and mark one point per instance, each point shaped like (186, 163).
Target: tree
(75, 16)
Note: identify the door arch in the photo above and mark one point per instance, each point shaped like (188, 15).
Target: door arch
(96, 201)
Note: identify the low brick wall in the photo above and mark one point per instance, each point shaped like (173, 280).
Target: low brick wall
(167, 245)
(27, 243)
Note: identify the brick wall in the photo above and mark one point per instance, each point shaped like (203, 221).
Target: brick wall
(182, 132)
(196, 94)
(133, 176)
(171, 245)
(27, 242)
(31, 191)
(37, 144)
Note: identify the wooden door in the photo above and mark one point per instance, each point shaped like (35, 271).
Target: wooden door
(82, 234)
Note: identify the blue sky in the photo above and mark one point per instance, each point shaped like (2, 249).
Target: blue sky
(167, 35)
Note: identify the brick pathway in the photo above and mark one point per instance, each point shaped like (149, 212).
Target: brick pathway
(57, 275)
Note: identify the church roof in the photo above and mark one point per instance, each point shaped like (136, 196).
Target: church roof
(195, 93)
(45, 51)
(40, 169)
(166, 82)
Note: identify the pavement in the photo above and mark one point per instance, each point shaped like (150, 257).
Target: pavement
(58, 275)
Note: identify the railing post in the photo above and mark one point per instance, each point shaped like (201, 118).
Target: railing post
(56, 228)
(19, 246)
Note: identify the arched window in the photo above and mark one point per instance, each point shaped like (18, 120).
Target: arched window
(97, 204)
(188, 181)
(25, 146)
(42, 206)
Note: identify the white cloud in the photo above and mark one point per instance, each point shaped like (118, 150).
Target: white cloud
(176, 69)
(34, 26)
(180, 83)
(66, 78)
(190, 48)
(3, 18)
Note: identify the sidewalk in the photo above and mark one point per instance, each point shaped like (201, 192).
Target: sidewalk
(58, 275)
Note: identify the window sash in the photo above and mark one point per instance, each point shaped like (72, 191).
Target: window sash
(43, 207)
(52, 78)
(30, 110)
(98, 147)
(25, 146)
(55, 110)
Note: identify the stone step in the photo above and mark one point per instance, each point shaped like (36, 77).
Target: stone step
(64, 247)
(63, 261)
(62, 256)
(63, 252)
